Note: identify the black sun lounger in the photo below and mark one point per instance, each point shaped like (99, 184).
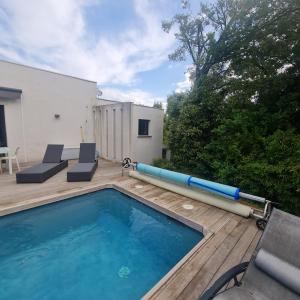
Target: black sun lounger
(274, 269)
(87, 165)
(51, 165)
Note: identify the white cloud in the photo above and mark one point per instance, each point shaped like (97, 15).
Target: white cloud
(52, 34)
(135, 95)
(183, 86)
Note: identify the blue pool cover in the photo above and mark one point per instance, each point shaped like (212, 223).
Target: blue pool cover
(223, 190)
(102, 245)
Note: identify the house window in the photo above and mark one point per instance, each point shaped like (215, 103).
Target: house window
(143, 127)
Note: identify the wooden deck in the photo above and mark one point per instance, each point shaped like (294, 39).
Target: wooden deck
(230, 239)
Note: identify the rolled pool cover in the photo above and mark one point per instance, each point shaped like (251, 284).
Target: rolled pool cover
(223, 190)
(203, 196)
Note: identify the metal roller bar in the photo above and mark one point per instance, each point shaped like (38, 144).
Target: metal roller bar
(252, 197)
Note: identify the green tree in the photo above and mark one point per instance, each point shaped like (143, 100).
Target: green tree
(174, 103)
(202, 35)
(158, 104)
(240, 122)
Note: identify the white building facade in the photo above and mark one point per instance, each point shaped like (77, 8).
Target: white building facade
(39, 107)
(51, 108)
(125, 129)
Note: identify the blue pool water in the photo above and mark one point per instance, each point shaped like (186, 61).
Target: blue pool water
(102, 245)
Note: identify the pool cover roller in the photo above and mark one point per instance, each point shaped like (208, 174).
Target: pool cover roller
(226, 191)
(209, 198)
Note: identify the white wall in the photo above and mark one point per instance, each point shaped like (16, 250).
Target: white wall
(117, 132)
(112, 130)
(45, 94)
(147, 148)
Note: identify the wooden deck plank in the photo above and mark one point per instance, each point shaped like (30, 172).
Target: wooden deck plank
(153, 193)
(252, 246)
(237, 253)
(174, 287)
(166, 203)
(166, 199)
(206, 273)
(192, 214)
(248, 254)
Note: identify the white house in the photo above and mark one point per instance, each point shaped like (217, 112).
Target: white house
(39, 107)
(42, 107)
(125, 129)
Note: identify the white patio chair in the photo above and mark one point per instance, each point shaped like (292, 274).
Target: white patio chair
(13, 156)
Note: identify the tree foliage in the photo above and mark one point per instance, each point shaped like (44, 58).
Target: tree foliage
(157, 104)
(240, 123)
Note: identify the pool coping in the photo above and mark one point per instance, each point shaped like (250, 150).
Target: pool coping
(60, 196)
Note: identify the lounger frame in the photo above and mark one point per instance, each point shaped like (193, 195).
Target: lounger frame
(22, 177)
(50, 166)
(82, 176)
(86, 167)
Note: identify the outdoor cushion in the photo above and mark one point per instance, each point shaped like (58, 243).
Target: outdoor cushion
(53, 154)
(282, 237)
(273, 272)
(87, 152)
(82, 167)
(39, 168)
(279, 269)
(40, 172)
(87, 165)
(82, 172)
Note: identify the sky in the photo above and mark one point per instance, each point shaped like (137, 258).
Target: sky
(119, 44)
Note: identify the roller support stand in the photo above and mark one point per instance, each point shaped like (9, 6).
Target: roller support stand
(261, 223)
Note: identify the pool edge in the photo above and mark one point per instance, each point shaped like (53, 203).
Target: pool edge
(60, 196)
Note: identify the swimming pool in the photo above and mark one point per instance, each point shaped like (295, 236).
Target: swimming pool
(101, 245)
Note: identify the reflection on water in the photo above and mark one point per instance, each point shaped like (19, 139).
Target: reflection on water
(103, 244)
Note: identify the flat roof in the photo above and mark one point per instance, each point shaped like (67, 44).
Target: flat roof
(39, 69)
(109, 100)
(118, 101)
(142, 105)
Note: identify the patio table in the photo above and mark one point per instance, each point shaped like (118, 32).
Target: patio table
(6, 152)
